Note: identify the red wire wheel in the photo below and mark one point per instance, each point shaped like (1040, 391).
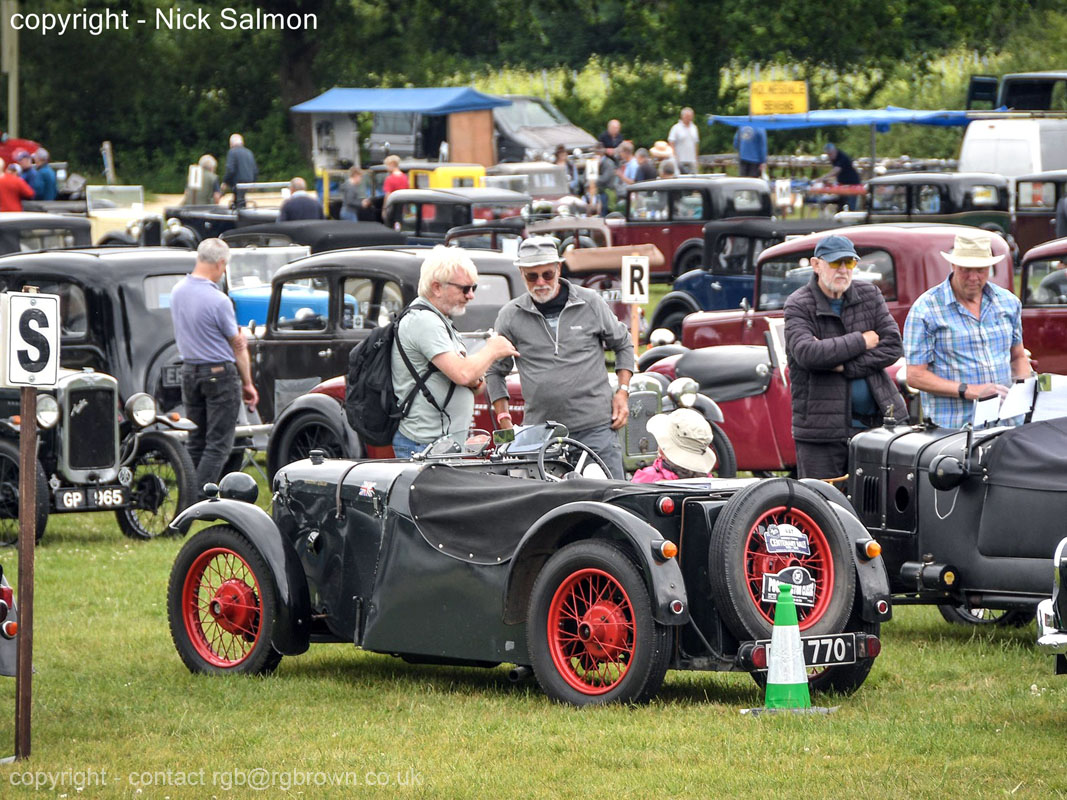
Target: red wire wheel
(591, 631)
(222, 608)
(760, 562)
(738, 559)
(221, 602)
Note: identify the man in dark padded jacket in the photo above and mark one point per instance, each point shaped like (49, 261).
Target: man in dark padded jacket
(839, 340)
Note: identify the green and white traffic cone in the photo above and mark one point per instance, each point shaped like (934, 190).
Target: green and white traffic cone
(787, 677)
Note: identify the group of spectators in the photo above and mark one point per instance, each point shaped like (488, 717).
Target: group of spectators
(962, 342)
(27, 177)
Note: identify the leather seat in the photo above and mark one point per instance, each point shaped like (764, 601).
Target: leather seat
(727, 372)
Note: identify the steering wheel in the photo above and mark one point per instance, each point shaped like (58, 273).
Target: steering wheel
(565, 442)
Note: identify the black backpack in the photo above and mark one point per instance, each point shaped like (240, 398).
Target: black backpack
(371, 406)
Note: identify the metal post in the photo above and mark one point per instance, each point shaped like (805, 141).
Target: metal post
(635, 324)
(27, 542)
(874, 135)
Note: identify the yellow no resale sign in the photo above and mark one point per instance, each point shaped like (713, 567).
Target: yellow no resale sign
(778, 97)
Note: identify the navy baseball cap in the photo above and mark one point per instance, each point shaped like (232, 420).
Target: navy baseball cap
(832, 248)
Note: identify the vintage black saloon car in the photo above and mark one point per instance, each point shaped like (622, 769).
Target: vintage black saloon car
(425, 216)
(475, 559)
(93, 457)
(114, 311)
(345, 295)
(29, 231)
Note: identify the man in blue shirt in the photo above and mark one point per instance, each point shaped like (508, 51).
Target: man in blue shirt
(751, 146)
(216, 370)
(963, 339)
(46, 175)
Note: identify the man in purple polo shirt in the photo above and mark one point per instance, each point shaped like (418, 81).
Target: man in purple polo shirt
(217, 372)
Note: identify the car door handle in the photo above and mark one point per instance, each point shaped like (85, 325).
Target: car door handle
(326, 353)
(716, 286)
(664, 230)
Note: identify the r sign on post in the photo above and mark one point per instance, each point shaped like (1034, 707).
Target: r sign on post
(29, 339)
(635, 280)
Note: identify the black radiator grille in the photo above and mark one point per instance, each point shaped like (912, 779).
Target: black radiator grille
(91, 429)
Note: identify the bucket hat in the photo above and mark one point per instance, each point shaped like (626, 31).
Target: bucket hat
(972, 251)
(537, 250)
(684, 436)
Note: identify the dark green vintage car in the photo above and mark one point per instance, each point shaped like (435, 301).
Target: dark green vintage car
(981, 199)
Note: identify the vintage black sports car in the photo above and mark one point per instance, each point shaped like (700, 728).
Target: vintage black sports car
(966, 521)
(599, 586)
(92, 457)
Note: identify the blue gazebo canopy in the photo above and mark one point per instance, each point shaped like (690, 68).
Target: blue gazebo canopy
(881, 119)
(436, 101)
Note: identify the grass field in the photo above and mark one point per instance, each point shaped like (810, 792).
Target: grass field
(947, 711)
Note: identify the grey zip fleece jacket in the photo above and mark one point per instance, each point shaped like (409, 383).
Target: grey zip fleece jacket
(562, 375)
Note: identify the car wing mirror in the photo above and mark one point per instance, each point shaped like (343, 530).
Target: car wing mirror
(745, 305)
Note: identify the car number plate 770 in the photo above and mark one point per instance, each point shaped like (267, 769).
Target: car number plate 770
(826, 651)
(91, 497)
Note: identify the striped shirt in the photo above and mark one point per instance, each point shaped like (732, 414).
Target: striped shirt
(941, 334)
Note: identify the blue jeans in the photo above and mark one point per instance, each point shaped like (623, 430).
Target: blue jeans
(212, 397)
(403, 447)
(349, 214)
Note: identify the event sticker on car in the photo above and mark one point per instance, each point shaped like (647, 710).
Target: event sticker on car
(801, 580)
(786, 538)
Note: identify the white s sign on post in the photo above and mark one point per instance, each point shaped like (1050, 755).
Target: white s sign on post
(29, 339)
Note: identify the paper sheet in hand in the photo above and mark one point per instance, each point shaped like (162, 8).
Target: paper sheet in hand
(1053, 403)
(1020, 399)
(986, 411)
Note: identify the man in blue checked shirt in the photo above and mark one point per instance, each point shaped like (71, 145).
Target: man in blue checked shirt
(963, 339)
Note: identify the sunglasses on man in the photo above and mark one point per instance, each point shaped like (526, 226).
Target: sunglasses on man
(849, 263)
(545, 275)
(466, 288)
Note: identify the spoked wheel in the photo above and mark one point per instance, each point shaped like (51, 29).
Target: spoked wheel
(9, 495)
(590, 630)
(308, 432)
(584, 454)
(163, 482)
(1002, 617)
(774, 532)
(221, 604)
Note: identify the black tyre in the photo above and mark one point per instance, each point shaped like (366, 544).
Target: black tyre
(221, 605)
(590, 631)
(999, 617)
(311, 431)
(725, 457)
(163, 483)
(672, 321)
(9, 494)
(740, 561)
(689, 259)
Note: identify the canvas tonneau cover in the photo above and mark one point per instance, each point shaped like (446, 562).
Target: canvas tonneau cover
(480, 517)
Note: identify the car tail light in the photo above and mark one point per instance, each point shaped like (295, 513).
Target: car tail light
(16, 419)
(665, 506)
(868, 646)
(9, 629)
(677, 606)
(664, 549)
(882, 607)
(7, 596)
(759, 656)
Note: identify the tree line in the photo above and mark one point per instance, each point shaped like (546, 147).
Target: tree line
(164, 97)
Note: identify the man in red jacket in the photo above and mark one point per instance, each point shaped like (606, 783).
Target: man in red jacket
(13, 190)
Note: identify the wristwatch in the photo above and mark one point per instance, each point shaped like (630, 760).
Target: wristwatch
(623, 387)
(962, 389)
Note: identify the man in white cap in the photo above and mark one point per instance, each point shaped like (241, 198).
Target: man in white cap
(562, 331)
(684, 438)
(963, 339)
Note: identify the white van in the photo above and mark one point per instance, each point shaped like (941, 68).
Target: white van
(1014, 147)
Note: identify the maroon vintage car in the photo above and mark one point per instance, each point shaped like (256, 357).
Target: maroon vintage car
(1035, 207)
(671, 214)
(903, 260)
